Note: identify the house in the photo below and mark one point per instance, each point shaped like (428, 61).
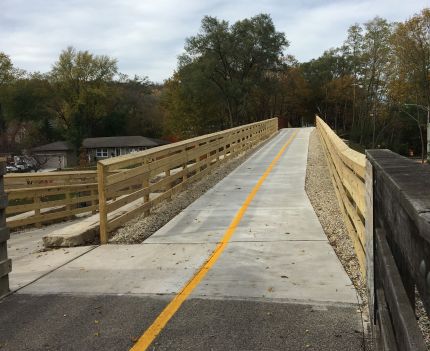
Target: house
(61, 154)
(101, 148)
(57, 155)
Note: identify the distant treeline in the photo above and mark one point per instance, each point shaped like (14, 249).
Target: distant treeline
(374, 89)
(83, 95)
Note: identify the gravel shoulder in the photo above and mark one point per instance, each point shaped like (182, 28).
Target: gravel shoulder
(321, 193)
(142, 227)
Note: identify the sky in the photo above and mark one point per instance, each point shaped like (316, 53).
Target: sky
(146, 36)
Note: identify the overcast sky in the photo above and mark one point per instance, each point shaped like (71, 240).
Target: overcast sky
(146, 36)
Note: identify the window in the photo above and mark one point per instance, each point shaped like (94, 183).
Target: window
(101, 153)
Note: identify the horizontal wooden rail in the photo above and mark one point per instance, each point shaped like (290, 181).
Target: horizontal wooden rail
(347, 169)
(36, 198)
(145, 179)
(29, 180)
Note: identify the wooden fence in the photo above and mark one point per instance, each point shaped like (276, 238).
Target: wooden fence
(399, 224)
(5, 263)
(145, 179)
(347, 169)
(36, 198)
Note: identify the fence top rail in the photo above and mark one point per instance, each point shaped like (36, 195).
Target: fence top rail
(411, 180)
(353, 159)
(50, 174)
(58, 188)
(138, 156)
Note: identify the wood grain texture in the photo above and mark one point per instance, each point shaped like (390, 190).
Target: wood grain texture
(347, 169)
(167, 170)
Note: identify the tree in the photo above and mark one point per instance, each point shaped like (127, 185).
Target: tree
(376, 58)
(8, 77)
(353, 48)
(411, 44)
(82, 83)
(26, 105)
(7, 71)
(229, 64)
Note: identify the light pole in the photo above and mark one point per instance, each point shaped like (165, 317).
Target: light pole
(428, 126)
(373, 116)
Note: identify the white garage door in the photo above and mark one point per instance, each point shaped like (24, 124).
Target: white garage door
(54, 161)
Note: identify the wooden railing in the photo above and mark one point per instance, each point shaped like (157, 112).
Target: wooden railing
(145, 179)
(5, 263)
(385, 201)
(347, 169)
(36, 198)
(398, 232)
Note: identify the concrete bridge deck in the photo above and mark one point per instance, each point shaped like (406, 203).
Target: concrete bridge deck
(246, 267)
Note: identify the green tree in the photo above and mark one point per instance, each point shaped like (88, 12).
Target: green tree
(7, 71)
(411, 45)
(82, 83)
(223, 67)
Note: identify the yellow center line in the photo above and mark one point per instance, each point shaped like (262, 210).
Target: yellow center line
(163, 318)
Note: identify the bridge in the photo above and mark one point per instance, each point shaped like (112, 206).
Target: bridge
(245, 266)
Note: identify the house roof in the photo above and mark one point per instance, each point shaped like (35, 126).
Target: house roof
(122, 141)
(160, 141)
(55, 146)
(90, 143)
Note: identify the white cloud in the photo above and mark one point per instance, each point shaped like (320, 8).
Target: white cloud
(146, 36)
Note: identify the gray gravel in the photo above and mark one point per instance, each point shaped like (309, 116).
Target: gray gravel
(140, 228)
(423, 318)
(321, 193)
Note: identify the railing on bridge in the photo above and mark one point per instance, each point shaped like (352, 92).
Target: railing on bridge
(5, 263)
(385, 201)
(347, 169)
(399, 227)
(147, 178)
(36, 198)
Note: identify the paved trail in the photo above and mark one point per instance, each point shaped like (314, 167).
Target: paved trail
(274, 282)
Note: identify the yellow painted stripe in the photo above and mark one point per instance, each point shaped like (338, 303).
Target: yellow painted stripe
(163, 318)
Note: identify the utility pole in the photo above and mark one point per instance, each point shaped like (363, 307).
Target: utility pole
(353, 103)
(428, 134)
(373, 115)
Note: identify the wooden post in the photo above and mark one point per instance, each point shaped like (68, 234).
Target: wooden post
(184, 167)
(36, 200)
(370, 269)
(93, 202)
(5, 263)
(169, 185)
(101, 178)
(146, 197)
(226, 140)
(68, 197)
